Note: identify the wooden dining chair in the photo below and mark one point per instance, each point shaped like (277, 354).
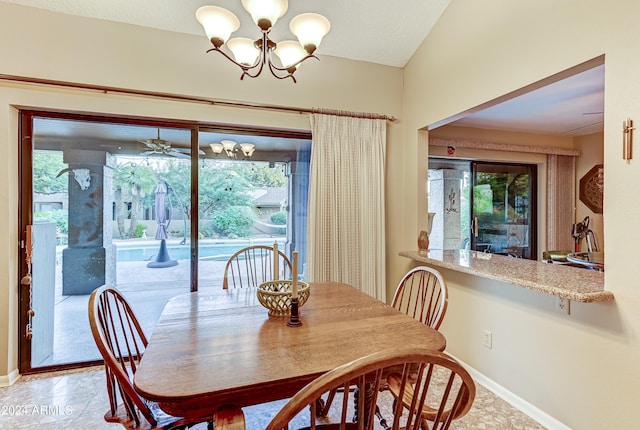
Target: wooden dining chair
(447, 388)
(444, 388)
(121, 342)
(422, 294)
(253, 265)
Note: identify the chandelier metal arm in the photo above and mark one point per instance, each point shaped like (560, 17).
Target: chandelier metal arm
(245, 68)
(289, 70)
(219, 23)
(215, 48)
(274, 71)
(266, 47)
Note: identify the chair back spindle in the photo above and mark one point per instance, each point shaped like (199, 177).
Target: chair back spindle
(253, 265)
(427, 381)
(122, 342)
(422, 294)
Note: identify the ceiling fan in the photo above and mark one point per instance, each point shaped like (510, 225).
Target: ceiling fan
(160, 146)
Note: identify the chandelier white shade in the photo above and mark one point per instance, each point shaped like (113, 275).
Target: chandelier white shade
(218, 23)
(267, 10)
(247, 149)
(216, 147)
(229, 147)
(290, 53)
(310, 28)
(253, 55)
(244, 50)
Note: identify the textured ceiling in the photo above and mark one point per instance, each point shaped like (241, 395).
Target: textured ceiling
(377, 31)
(573, 106)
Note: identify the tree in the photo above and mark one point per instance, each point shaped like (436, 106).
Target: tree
(234, 220)
(225, 191)
(222, 187)
(134, 181)
(262, 174)
(46, 166)
(177, 174)
(224, 195)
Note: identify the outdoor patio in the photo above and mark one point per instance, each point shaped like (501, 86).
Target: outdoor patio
(146, 289)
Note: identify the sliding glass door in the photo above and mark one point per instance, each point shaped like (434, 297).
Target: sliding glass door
(92, 210)
(483, 206)
(503, 208)
(113, 201)
(252, 191)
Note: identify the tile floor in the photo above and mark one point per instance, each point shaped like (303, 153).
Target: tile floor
(78, 399)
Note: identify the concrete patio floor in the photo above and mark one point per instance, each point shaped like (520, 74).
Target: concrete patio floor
(146, 289)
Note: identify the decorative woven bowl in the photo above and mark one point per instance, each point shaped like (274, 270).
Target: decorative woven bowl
(276, 296)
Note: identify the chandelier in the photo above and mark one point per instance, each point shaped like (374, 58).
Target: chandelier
(229, 147)
(252, 56)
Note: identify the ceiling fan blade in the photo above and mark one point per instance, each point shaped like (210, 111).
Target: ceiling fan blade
(178, 154)
(150, 145)
(160, 146)
(157, 143)
(187, 151)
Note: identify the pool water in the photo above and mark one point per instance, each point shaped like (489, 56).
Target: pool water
(209, 251)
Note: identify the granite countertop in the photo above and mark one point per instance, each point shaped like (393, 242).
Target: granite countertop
(573, 283)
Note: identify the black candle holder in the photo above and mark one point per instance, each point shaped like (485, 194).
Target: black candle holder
(294, 321)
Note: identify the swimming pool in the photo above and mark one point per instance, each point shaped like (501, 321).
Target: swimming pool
(210, 251)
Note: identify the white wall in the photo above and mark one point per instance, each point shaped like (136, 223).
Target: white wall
(45, 45)
(583, 368)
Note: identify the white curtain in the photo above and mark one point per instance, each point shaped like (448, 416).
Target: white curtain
(346, 224)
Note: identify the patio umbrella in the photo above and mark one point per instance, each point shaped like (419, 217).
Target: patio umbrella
(163, 221)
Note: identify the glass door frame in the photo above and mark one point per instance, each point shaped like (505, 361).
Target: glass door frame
(25, 210)
(25, 207)
(465, 176)
(532, 204)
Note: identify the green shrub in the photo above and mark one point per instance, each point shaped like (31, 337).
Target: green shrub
(279, 218)
(207, 229)
(139, 230)
(60, 217)
(234, 220)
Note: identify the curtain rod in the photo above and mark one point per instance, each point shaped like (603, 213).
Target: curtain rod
(182, 97)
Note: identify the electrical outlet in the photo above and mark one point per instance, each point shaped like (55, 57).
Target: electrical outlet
(487, 339)
(563, 305)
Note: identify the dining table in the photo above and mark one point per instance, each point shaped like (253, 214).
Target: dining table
(222, 348)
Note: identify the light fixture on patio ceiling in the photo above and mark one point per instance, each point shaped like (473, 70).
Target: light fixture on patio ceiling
(253, 55)
(229, 146)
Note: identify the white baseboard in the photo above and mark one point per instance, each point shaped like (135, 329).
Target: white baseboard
(9, 379)
(517, 402)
